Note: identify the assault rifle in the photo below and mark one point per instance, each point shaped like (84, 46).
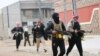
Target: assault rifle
(17, 34)
(80, 33)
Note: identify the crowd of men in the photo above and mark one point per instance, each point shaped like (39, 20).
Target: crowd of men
(57, 29)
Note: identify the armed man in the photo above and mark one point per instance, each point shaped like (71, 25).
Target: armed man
(18, 34)
(57, 37)
(75, 28)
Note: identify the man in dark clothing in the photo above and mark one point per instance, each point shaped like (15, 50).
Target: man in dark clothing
(34, 32)
(57, 37)
(40, 35)
(17, 34)
(26, 35)
(75, 38)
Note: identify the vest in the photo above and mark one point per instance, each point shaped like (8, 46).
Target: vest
(58, 27)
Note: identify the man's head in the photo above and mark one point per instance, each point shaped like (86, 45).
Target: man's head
(75, 18)
(17, 24)
(38, 22)
(55, 17)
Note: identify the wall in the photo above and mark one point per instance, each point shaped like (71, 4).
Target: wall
(87, 10)
(11, 15)
(14, 14)
(1, 26)
(84, 13)
(93, 24)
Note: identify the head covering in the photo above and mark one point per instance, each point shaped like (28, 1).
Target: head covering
(55, 17)
(76, 16)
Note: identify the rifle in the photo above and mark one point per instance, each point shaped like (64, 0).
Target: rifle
(60, 32)
(80, 32)
(17, 34)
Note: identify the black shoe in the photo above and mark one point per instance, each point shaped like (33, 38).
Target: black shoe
(45, 50)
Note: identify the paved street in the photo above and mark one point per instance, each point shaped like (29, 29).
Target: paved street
(7, 48)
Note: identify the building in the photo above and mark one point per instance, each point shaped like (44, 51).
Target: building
(25, 12)
(1, 26)
(87, 10)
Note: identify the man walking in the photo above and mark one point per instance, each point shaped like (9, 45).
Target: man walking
(40, 35)
(18, 34)
(26, 35)
(57, 37)
(34, 32)
(75, 38)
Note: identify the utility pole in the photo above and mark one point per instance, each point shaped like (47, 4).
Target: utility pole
(65, 10)
(40, 9)
(8, 17)
(74, 7)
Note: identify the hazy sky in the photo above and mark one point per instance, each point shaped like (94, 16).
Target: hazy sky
(4, 3)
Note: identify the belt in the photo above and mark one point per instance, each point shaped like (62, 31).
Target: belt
(59, 36)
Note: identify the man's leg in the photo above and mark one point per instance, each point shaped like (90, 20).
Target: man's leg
(79, 46)
(54, 48)
(38, 43)
(17, 44)
(71, 45)
(34, 39)
(44, 44)
(25, 41)
(62, 48)
(28, 41)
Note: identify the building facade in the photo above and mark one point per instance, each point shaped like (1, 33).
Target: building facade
(26, 12)
(1, 26)
(87, 10)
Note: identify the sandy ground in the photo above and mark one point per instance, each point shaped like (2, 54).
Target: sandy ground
(91, 47)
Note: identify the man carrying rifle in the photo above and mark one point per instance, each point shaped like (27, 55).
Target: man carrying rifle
(18, 34)
(57, 37)
(75, 38)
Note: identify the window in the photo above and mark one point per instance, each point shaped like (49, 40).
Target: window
(27, 14)
(24, 23)
(35, 13)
